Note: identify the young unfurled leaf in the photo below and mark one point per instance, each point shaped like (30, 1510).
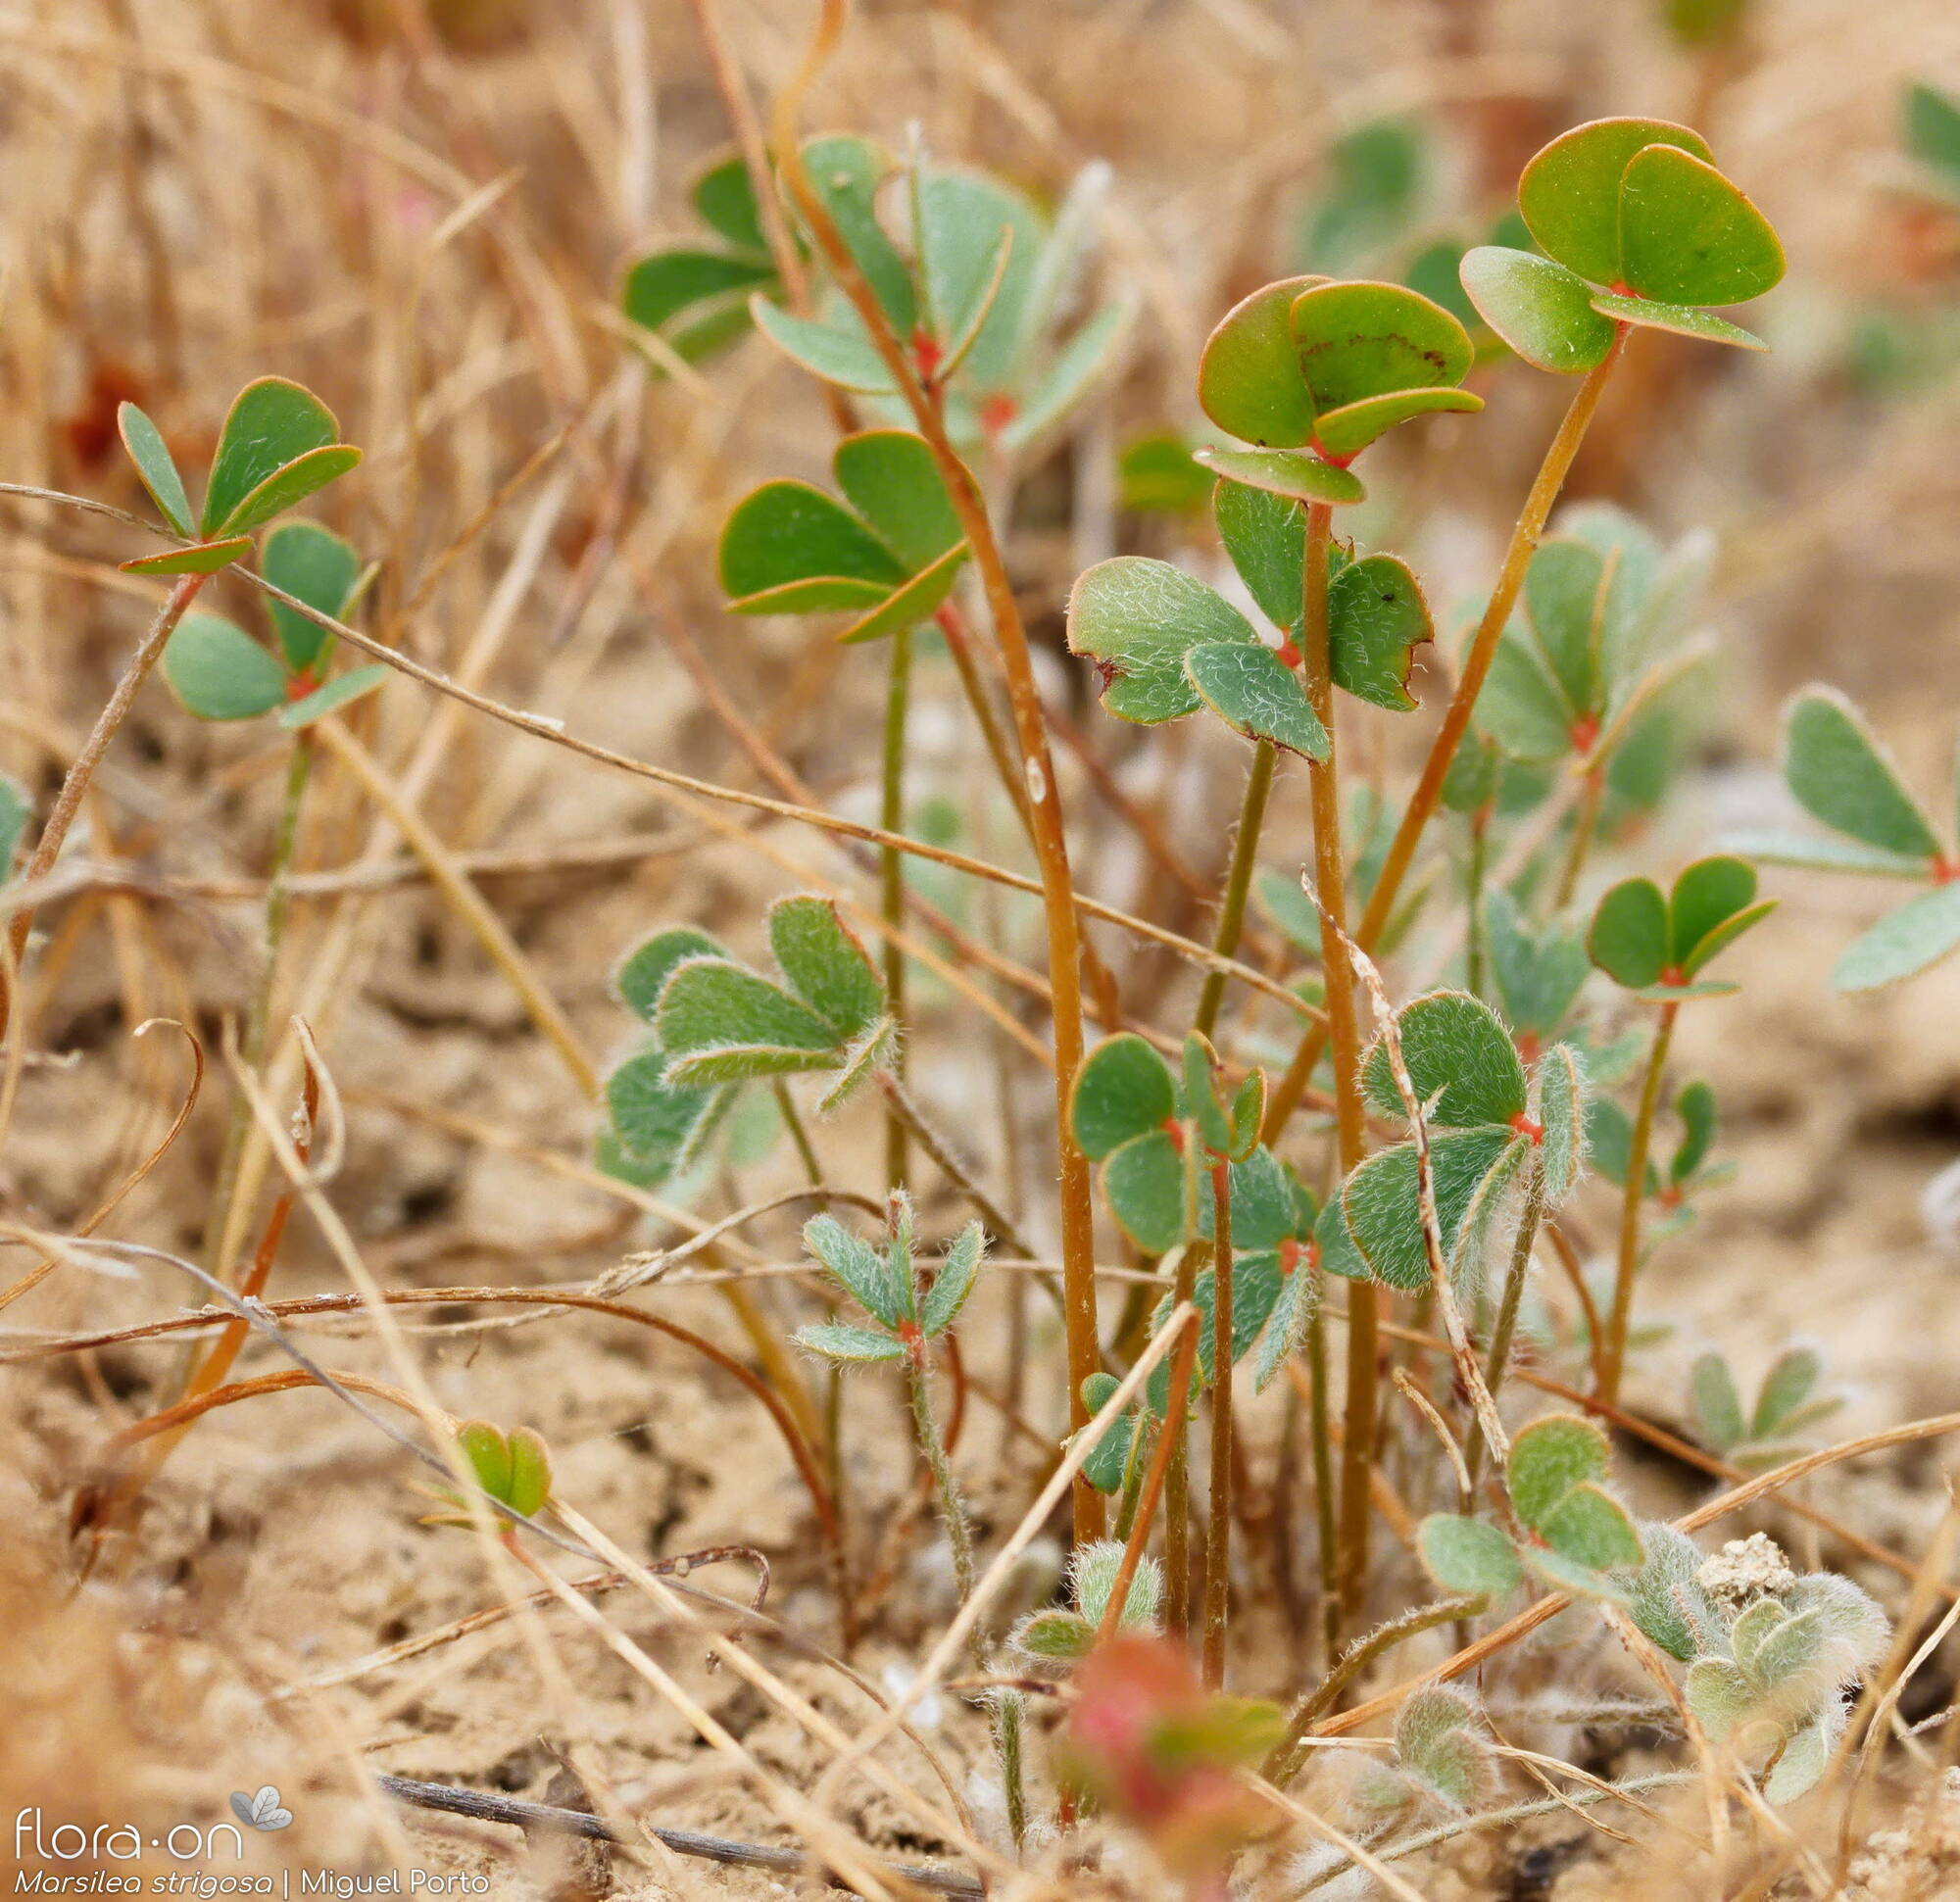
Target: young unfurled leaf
(1459, 1057)
(156, 466)
(315, 565)
(1561, 1117)
(1468, 1555)
(513, 1470)
(1657, 947)
(278, 445)
(219, 672)
(1123, 1090)
(1664, 1600)
(1437, 1741)
(1541, 309)
(864, 1272)
(954, 1280)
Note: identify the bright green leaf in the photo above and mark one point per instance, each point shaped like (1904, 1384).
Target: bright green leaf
(1468, 1555)
(1123, 1090)
(1257, 695)
(1570, 191)
(155, 466)
(1840, 774)
(1541, 310)
(201, 557)
(1629, 939)
(850, 1346)
(1349, 429)
(1248, 378)
(826, 966)
(1137, 619)
(907, 607)
(791, 536)
(1688, 236)
(219, 672)
(1377, 618)
(724, 196)
(890, 477)
(272, 423)
(664, 284)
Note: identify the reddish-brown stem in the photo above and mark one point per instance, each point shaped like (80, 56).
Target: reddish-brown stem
(1218, 1547)
(82, 769)
(1153, 1482)
(1483, 649)
(1350, 1114)
(1078, 1238)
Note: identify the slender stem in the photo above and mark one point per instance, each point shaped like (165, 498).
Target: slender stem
(1358, 1448)
(1177, 1425)
(1219, 1545)
(1630, 1208)
(798, 1133)
(1322, 1431)
(1584, 824)
(1155, 1480)
(892, 882)
(252, 1048)
(959, 645)
(1288, 1755)
(952, 1507)
(1063, 927)
(1010, 1708)
(1238, 881)
(1473, 899)
(82, 769)
(1499, 1360)
(1422, 805)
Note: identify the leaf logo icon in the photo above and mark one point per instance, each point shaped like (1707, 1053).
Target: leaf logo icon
(263, 1811)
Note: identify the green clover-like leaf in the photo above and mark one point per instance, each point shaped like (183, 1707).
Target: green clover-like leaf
(278, 445)
(1688, 236)
(721, 1023)
(867, 1274)
(1249, 378)
(1569, 192)
(219, 672)
(155, 466)
(1137, 619)
(1374, 1229)
(1537, 305)
(1468, 1555)
(1257, 695)
(954, 1280)
(825, 966)
(1913, 939)
(1143, 1182)
(1560, 1088)
(1549, 1458)
(1841, 775)
(1123, 1090)
(1460, 1058)
(312, 565)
